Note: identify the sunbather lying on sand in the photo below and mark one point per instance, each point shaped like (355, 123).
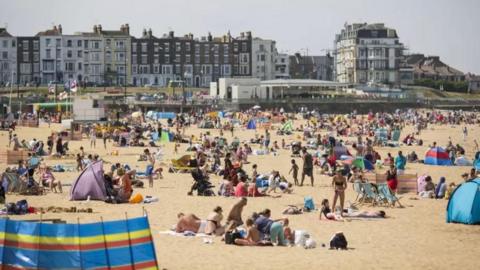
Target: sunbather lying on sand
(190, 223)
(366, 214)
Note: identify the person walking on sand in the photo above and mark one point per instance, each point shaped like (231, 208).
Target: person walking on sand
(294, 171)
(307, 166)
(150, 166)
(93, 137)
(465, 133)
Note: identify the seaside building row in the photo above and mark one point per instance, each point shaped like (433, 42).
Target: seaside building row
(362, 54)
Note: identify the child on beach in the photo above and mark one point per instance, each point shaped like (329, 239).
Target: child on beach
(294, 171)
(253, 235)
(288, 232)
(254, 172)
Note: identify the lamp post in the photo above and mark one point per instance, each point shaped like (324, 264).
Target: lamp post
(125, 76)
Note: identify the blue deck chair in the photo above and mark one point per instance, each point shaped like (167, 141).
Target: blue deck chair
(371, 194)
(388, 195)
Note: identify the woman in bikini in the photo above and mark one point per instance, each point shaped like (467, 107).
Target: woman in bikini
(339, 183)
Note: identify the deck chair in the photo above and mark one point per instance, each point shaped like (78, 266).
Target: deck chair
(371, 194)
(387, 195)
(395, 138)
(357, 187)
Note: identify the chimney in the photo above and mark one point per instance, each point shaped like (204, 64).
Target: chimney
(249, 34)
(144, 33)
(55, 28)
(95, 29)
(190, 36)
(127, 29)
(60, 29)
(171, 34)
(150, 33)
(209, 38)
(99, 28)
(242, 34)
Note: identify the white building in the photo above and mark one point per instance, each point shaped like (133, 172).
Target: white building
(235, 88)
(8, 58)
(367, 53)
(51, 60)
(282, 66)
(263, 58)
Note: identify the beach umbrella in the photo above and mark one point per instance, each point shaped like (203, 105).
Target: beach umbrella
(256, 107)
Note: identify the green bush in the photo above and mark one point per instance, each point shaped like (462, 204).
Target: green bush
(447, 85)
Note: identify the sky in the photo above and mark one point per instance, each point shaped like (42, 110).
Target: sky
(447, 28)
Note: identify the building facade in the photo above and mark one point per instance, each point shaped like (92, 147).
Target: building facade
(264, 53)
(28, 60)
(282, 66)
(367, 53)
(8, 58)
(51, 55)
(315, 67)
(431, 67)
(196, 61)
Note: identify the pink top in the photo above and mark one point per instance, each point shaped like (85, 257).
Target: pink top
(240, 190)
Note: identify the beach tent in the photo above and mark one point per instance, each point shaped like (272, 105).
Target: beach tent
(437, 156)
(462, 161)
(89, 183)
(166, 136)
(476, 164)
(120, 244)
(421, 183)
(464, 204)
(362, 163)
(340, 150)
(251, 124)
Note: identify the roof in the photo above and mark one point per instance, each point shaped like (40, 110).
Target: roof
(431, 65)
(4, 33)
(301, 82)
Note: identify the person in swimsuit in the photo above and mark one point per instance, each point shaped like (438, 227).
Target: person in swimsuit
(150, 166)
(392, 181)
(214, 225)
(190, 223)
(339, 183)
(253, 235)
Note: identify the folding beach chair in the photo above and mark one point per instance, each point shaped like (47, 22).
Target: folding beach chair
(394, 142)
(371, 194)
(387, 195)
(357, 187)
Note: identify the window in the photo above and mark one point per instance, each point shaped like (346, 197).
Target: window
(156, 47)
(177, 58)
(120, 57)
(178, 46)
(166, 69)
(226, 59)
(156, 69)
(36, 67)
(188, 58)
(109, 43)
(216, 69)
(25, 45)
(48, 54)
(36, 57)
(156, 59)
(225, 48)
(166, 47)
(144, 59)
(226, 69)
(178, 69)
(134, 47)
(167, 58)
(96, 45)
(108, 56)
(14, 44)
(187, 46)
(197, 58)
(188, 69)
(79, 66)
(262, 57)
(69, 43)
(262, 47)
(25, 68)
(244, 46)
(25, 57)
(144, 47)
(197, 48)
(79, 43)
(85, 44)
(5, 43)
(235, 47)
(5, 55)
(206, 48)
(58, 42)
(216, 58)
(69, 54)
(79, 54)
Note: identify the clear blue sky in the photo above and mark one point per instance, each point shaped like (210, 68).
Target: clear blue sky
(446, 28)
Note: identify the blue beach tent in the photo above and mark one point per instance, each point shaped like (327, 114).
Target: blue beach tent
(464, 204)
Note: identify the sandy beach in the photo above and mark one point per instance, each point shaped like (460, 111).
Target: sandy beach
(414, 237)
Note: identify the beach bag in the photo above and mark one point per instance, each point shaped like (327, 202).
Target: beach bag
(308, 204)
(231, 236)
(338, 241)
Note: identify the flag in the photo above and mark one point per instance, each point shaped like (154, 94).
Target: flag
(51, 88)
(63, 95)
(73, 86)
(66, 86)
